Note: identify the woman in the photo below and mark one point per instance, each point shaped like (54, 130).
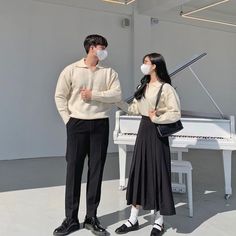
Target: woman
(149, 183)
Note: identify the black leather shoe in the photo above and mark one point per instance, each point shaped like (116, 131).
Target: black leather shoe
(123, 229)
(68, 226)
(157, 232)
(93, 224)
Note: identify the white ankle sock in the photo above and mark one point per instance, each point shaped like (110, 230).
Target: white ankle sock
(158, 220)
(133, 216)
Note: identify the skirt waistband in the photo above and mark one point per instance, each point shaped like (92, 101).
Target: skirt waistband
(146, 117)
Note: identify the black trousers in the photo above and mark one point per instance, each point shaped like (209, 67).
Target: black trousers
(85, 138)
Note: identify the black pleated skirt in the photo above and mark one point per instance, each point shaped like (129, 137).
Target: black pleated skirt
(149, 183)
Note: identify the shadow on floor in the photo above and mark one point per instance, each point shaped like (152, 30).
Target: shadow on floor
(205, 207)
(46, 172)
(208, 187)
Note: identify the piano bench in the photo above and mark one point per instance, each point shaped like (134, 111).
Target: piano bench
(185, 167)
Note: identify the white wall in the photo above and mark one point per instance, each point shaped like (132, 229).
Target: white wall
(38, 40)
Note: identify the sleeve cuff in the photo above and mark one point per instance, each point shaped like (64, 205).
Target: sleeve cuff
(66, 119)
(95, 95)
(155, 119)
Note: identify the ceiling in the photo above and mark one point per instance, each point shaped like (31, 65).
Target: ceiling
(170, 10)
(227, 8)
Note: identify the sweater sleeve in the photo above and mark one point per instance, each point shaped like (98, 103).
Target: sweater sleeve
(131, 109)
(112, 94)
(62, 94)
(171, 113)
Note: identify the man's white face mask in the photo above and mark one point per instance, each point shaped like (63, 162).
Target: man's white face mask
(101, 54)
(145, 68)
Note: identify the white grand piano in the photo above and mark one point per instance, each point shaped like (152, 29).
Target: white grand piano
(200, 132)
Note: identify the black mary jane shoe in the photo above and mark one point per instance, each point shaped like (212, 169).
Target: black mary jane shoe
(93, 224)
(68, 226)
(157, 232)
(123, 229)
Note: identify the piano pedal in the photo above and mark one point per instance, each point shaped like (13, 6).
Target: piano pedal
(178, 188)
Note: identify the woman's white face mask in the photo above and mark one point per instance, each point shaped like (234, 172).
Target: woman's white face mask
(101, 54)
(146, 69)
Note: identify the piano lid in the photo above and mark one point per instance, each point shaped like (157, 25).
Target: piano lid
(194, 114)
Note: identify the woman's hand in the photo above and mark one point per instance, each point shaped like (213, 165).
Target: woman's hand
(152, 113)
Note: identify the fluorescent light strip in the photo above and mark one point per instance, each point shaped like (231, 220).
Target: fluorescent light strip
(130, 2)
(113, 1)
(206, 7)
(186, 15)
(119, 2)
(208, 20)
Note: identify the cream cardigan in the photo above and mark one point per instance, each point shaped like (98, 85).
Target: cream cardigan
(168, 110)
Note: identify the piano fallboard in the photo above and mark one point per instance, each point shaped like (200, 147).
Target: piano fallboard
(198, 127)
(210, 143)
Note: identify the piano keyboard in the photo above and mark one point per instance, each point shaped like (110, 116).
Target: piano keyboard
(186, 141)
(198, 137)
(179, 136)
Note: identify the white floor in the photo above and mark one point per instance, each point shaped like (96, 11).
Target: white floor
(30, 207)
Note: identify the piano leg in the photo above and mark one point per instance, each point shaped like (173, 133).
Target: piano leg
(180, 158)
(122, 165)
(227, 172)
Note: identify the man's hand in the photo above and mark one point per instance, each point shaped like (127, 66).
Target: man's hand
(86, 94)
(152, 113)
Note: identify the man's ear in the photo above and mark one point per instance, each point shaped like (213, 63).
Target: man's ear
(91, 48)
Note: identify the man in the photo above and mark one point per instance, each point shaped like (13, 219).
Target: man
(85, 91)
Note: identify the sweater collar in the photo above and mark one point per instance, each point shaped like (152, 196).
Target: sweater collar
(81, 64)
(156, 84)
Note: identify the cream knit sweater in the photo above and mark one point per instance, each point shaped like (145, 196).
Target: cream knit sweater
(103, 82)
(168, 110)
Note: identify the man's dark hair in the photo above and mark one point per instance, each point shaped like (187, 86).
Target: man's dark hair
(94, 40)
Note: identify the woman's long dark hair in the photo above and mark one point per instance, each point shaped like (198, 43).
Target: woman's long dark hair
(160, 70)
